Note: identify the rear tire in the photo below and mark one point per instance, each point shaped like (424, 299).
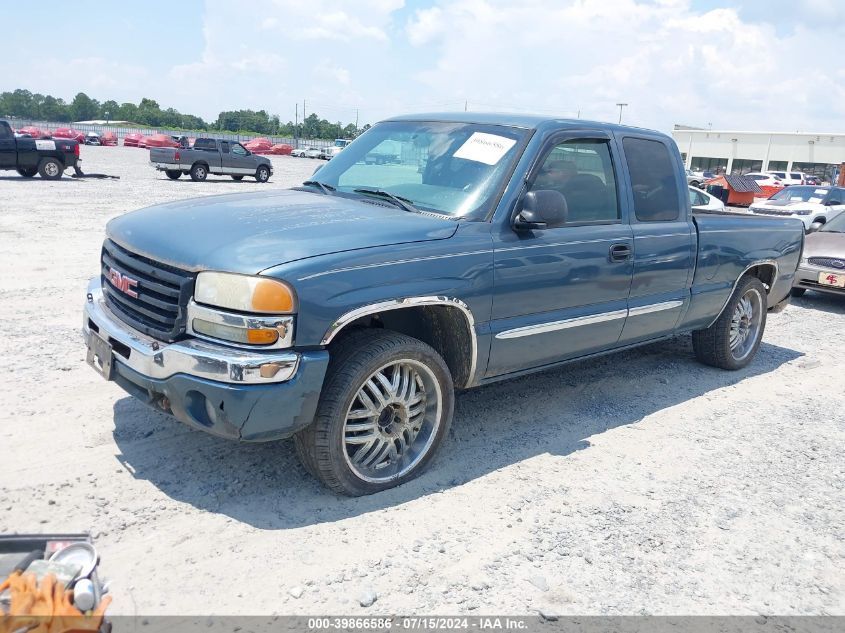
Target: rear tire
(237, 177)
(199, 172)
(50, 169)
(732, 341)
(29, 172)
(798, 292)
(262, 174)
(173, 174)
(362, 442)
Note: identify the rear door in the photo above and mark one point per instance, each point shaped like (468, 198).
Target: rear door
(664, 238)
(8, 150)
(562, 292)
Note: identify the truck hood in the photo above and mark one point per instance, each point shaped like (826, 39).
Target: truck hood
(248, 233)
(787, 205)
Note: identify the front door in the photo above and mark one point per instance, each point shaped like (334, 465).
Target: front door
(562, 292)
(241, 161)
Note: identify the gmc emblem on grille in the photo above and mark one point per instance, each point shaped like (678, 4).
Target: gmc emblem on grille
(123, 283)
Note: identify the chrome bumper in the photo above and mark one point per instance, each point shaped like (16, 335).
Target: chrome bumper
(159, 360)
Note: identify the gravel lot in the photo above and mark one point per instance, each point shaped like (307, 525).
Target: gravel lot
(636, 483)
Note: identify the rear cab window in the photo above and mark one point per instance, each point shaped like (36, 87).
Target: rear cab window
(653, 180)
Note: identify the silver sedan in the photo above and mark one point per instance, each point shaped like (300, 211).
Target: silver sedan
(822, 265)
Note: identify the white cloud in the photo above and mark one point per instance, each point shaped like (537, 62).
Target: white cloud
(670, 63)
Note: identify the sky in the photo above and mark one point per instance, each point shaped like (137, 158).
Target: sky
(767, 65)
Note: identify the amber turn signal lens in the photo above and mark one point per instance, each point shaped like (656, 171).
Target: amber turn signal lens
(271, 296)
(262, 337)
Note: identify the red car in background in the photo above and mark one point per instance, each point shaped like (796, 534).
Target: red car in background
(259, 145)
(159, 140)
(34, 132)
(132, 140)
(281, 149)
(68, 132)
(108, 138)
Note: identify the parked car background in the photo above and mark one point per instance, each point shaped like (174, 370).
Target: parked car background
(805, 202)
(789, 178)
(702, 201)
(822, 265)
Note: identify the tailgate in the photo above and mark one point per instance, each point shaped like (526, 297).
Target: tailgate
(163, 155)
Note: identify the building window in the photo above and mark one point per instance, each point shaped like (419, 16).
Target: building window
(744, 166)
(777, 165)
(822, 170)
(702, 163)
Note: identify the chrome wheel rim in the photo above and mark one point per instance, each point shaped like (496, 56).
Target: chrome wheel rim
(392, 421)
(262, 174)
(200, 172)
(51, 168)
(745, 324)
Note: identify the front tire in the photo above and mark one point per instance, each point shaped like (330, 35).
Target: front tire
(50, 169)
(199, 172)
(173, 174)
(732, 341)
(262, 174)
(386, 406)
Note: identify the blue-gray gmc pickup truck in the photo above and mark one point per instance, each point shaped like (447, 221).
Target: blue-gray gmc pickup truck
(345, 312)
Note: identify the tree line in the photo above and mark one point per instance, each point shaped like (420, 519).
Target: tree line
(28, 105)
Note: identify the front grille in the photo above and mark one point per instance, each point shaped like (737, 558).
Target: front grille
(163, 291)
(836, 263)
(771, 211)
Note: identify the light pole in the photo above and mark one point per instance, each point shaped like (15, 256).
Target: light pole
(620, 106)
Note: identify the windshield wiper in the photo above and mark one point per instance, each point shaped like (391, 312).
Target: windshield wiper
(399, 201)
(326, 189)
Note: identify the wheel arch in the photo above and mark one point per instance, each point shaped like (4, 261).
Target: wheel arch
(445, 323)
(766, 270)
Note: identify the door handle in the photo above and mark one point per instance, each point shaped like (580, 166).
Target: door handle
(620, 252)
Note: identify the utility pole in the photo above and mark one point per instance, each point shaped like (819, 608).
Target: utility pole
(621, 105)
(356, 121)
(466, 103)
(296, 125)
(303, 118)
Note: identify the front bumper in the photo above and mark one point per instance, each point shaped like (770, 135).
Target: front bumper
(231, 392)
(807, 277)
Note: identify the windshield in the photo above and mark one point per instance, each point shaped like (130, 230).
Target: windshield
(801, 194)
(451, 168)
(836, 225)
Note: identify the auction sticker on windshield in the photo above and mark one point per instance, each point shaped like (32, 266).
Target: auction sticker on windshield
(485, 148)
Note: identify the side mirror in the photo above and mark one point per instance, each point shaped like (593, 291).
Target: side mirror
(541, 209)
(815, 226)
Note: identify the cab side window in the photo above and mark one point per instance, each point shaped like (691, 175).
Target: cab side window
(238, 149)
(653, 180)
(582, 171)
(5, 132)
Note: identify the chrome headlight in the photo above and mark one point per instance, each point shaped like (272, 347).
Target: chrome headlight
(214, 293)
(244, 293)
